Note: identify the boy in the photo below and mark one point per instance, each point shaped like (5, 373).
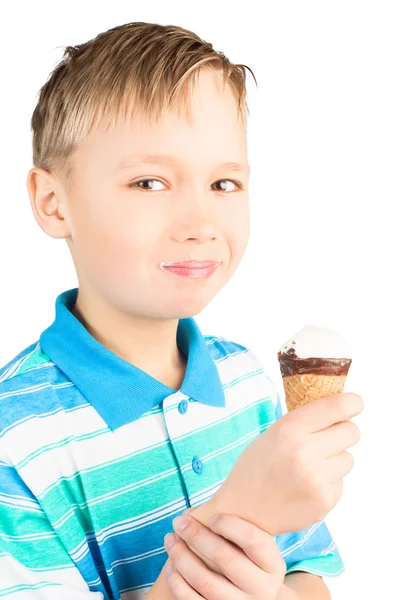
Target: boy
(122, 415)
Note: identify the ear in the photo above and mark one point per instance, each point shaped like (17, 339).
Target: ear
(48, 203)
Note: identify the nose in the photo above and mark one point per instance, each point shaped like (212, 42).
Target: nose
(194, 219)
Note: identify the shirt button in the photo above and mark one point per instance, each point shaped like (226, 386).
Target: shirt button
(197, 465)
(183, 406)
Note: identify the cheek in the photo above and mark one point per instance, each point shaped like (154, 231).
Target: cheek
(115, 243)
(238, 232)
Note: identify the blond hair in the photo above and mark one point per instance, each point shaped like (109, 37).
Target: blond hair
(132, 70)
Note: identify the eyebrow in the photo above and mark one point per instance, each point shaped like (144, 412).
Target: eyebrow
(159, 159)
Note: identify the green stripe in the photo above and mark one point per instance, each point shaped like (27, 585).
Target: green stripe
(36, 358)
(94, 468)
(42, 554)
(330, 565)
(105, 430)
(13, 518)
(130, 476)
(227, 418)
(136, 484)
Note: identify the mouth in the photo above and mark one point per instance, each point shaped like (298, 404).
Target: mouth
(191, 269)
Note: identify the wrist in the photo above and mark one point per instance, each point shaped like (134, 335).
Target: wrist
(206, 511)
(286, 593)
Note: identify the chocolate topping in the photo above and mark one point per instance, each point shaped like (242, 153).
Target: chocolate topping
(291, 364)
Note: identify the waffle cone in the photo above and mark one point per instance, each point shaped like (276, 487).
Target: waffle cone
(301, 389)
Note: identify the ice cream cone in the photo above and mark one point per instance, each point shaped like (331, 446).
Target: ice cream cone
(314, 364)
(301, 389)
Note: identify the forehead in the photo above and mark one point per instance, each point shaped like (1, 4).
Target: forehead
(204, 126)
(171, 141)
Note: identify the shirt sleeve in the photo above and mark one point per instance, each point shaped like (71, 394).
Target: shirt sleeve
(33, 562)
(312, 550)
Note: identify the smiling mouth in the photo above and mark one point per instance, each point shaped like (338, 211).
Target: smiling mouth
(191, 269)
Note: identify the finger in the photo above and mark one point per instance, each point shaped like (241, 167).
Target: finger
(338, 466)
(229, 559)
(205, 582)
(335, 439)
(258, 545)
(188, 511)
(178, 587)
(320, 414)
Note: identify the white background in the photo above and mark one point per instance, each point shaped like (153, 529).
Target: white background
(324, 149)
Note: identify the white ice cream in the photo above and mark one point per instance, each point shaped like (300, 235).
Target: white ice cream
(318, 342)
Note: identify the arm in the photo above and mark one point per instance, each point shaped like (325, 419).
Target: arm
(304, 586)
(257, 568)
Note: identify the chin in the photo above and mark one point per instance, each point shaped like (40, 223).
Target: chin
(184, 310)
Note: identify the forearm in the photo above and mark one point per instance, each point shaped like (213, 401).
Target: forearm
(304, 586)
(214, 506)
(160, 590)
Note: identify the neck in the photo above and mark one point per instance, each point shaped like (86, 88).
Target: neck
(148, 344)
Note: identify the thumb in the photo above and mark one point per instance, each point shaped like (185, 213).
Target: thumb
(187, 511)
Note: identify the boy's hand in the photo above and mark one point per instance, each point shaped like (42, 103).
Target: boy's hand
(291, 476)
(250, 568)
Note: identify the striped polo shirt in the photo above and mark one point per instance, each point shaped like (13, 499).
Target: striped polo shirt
(97, 458)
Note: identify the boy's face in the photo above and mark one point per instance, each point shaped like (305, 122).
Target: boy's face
(119, 234)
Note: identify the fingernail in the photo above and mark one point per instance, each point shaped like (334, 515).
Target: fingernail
(180, 523)
(169, 568)
(169, 540)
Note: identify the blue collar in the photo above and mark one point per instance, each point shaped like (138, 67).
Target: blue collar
(119, 391)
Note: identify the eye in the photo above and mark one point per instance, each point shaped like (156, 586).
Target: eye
(236, 183)
(137, 184)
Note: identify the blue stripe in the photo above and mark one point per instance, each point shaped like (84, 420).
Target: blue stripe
(25, 406)
(304, 546)
(223, 349)
(12, 484)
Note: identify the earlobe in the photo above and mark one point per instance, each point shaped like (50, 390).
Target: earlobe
(45, 203)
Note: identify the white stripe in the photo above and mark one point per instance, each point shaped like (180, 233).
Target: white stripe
(14, 573)
(139, 436)
(132, 559)
(129, 525)
(16, 365)
(43, 416)
(11, 369)
(20, 502)
(29, 537)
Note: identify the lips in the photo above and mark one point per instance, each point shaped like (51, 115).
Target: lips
(191, 264)
(192, 269)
